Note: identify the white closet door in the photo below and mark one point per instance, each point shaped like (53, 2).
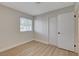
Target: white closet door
(66, 31)
(52, 30)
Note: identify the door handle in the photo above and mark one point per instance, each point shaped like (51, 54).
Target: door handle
(59, 33)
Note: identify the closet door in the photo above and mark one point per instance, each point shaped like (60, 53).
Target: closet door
(66, 31)
(52, 30)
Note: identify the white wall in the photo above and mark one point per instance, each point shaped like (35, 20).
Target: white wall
(9, 28)
(41, 23)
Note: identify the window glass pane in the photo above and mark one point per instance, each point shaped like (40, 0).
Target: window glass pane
(25, 24)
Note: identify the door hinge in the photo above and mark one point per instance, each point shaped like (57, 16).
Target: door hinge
(74, 45)
(74, 16)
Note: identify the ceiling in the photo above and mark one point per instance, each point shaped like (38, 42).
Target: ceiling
(34, 8)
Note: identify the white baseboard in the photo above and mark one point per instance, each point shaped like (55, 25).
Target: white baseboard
(41, 41)
(12, 46)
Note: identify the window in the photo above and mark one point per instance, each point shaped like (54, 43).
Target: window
(25, 24)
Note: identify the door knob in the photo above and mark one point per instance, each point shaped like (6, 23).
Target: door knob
(58, 32)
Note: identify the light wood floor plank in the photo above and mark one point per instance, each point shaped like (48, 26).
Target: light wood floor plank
(35, 48)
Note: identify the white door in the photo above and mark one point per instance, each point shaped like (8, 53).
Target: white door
(66, 31)
(52, 21)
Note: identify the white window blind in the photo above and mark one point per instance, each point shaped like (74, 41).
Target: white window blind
(25, 24)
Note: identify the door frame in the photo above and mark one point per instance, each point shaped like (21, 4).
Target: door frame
(76, 13)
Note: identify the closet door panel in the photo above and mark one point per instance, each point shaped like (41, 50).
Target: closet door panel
(66, 31)
(53, 30)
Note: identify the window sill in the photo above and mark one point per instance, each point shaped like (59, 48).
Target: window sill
(25, 31)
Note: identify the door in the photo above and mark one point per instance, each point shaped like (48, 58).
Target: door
(52, 30)
(66, 31)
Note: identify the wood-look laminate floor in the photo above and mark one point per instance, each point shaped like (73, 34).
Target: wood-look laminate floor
(35, 48)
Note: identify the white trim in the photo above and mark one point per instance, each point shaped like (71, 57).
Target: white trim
(45, 42)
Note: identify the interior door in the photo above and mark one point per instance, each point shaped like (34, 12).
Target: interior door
(66, 31)
(52, 30)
